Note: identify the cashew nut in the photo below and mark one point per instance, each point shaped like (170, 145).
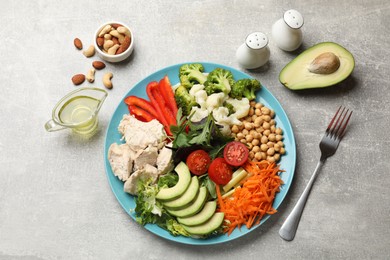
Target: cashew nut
(123, 30)
(108, 44)
(107, 36)
(107, 80)
(113, 49)
(90, 75)
(89, 52)
(105, 30)
(118, 35)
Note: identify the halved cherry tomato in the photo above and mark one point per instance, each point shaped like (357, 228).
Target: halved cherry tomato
(198, 162)
(220, 172)
(235, 153)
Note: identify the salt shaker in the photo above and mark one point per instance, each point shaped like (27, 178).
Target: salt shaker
(286, 32)
(254, 52)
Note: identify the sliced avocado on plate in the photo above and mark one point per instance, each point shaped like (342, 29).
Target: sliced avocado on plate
(209, 226)
(180, 187)
(322, 65)
(193, 207)
(205, 214)
(186, 197)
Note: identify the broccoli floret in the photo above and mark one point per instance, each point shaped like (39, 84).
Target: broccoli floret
(191, 74)
(219, 80)
(245, 88)
(184, 100)
(230, 107)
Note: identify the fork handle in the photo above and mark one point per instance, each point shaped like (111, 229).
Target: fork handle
(290, 225)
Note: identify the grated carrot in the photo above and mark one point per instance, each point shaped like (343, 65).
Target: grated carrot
(254, 198)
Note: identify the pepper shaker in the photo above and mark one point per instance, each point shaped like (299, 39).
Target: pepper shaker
(286, 32)
(254, 52)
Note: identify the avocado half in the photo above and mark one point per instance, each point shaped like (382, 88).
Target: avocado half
(322, 65)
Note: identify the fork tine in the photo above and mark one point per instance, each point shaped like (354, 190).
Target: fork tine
(338, 123)
(342, 130)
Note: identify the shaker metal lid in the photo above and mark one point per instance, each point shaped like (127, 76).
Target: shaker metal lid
(293, 18)
(256, 40)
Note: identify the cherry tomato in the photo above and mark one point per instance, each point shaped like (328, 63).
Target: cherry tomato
(198, 162)
(236, 153)
(220, 172)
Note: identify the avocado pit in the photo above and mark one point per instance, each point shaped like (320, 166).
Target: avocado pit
(325, 63)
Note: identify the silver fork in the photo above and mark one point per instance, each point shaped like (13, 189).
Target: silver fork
(328, 146)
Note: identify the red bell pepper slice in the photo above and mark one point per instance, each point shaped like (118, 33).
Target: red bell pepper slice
(141, 103)
(155, 99)
(166, 90)
(140, 113)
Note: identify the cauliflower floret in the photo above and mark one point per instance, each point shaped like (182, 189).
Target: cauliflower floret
(195, 88)
(240, 106)
(215, 100)
(220, 115)
(199, 114)
(201, 97)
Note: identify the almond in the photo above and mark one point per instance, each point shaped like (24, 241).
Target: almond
(100, 41)
(78, 79)
(125, 45)
(77, 43)
(116, 25)
(98, 65)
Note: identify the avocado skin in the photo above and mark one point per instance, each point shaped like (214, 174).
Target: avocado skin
(296, 76)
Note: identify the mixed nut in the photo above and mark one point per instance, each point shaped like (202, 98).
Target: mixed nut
(78, 79)
(114, 39)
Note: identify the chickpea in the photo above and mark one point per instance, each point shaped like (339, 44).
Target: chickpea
(278, 131)
(263, 155)
(264, 139)
(267, 118)
(264, 147)
(258, 105)
(273, 128)
(267, 132)
(249, 138)
(252, 103)
(257, 135)
(255, 141)
(245, 132)
(248, 126)
(235, 129)
(282, 150)
(270, 144)
(280, 143)
(271, 151)
(254, 117)
(256, 149)
(272, 122)
(277, 157)
(250, 146)
(260, 129)
(278, 138)
(271, 159)
(272, 137)
(258, 156)
(257, 112)
(272, 113)
(277, 147)
(266, 125)
(265, 110)
(243, 141)
(251, 155)
(240, 135)
(251, 111)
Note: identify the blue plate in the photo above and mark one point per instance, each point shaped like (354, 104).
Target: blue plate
(264, 96)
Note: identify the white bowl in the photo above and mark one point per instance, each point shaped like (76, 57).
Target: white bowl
(116, 57)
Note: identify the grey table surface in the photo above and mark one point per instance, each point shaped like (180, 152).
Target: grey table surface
(55, 200)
